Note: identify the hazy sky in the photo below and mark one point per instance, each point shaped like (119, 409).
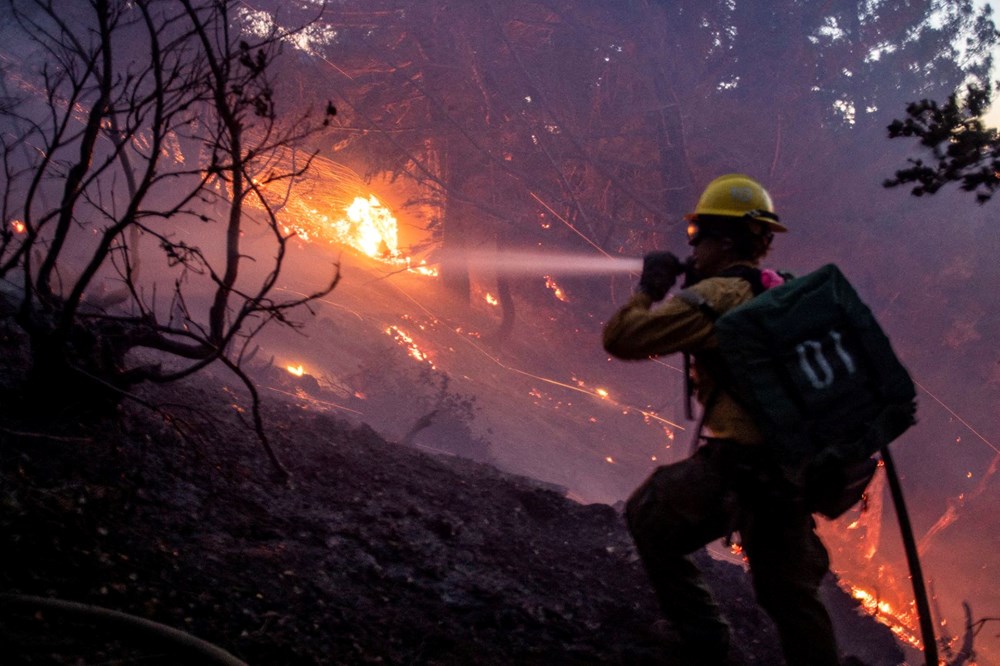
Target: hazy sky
(993, 117)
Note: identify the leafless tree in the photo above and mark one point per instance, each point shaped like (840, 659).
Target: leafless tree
(150, 121)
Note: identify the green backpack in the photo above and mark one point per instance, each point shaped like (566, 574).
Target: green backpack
(809, 361)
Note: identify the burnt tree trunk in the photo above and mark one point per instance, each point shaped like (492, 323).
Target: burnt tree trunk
(508, 313)
(76, 373)
(454, 234)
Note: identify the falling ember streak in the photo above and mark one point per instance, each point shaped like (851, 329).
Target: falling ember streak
(556, 289)
(412, 349)
(951, 514)
(565, 221)
(316, 401)
(296, 370)
(959, 418)
(648, 415)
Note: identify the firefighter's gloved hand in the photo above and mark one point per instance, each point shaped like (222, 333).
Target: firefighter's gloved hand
(659, 273)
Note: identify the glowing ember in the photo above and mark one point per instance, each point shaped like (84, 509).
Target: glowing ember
(422, 268)
(18, 226)
(609, 460)
(491, 299)
(601, 392)
(411, 346)
(556, 289)
(296, 370)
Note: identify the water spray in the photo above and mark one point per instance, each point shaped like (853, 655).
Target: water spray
(528, 262)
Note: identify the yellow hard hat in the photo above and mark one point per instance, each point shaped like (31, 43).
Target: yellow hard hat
(739, 196)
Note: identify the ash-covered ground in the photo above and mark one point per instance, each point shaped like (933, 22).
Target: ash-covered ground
(372, 553)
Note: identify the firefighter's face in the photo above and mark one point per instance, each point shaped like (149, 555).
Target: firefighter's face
(711, 253)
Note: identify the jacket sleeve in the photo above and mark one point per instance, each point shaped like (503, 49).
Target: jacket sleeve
(638, 330)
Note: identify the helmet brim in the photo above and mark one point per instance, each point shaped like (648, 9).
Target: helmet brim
(772, 225)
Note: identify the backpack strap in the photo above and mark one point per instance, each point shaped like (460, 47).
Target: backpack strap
(752, 276)
(748, 273)
(698, 302)
(709, 403)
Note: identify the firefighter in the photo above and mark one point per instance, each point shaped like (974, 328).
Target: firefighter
(731, 483)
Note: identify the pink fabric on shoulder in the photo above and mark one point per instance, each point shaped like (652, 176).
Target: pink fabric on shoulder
(770, 278)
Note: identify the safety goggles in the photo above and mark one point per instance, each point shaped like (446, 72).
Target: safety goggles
(697, 233)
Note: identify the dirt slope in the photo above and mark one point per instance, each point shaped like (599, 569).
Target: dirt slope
(374, 553)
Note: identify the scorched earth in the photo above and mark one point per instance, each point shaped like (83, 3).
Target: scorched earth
(372, 553)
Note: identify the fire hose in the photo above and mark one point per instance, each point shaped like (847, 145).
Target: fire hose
(912, 560)
(208, 652)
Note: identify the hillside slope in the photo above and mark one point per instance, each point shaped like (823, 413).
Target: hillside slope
(374, 553)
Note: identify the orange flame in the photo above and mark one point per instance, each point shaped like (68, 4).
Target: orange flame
(901, 623)
(411, 346)
(335, 207)
(364, 224)
(556, 289)
(371, 227)
(296, 370)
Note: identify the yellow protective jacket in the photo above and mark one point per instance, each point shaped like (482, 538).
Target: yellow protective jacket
(639, 330)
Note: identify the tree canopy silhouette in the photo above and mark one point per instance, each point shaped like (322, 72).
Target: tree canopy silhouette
(963, 150)
(141, 143)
